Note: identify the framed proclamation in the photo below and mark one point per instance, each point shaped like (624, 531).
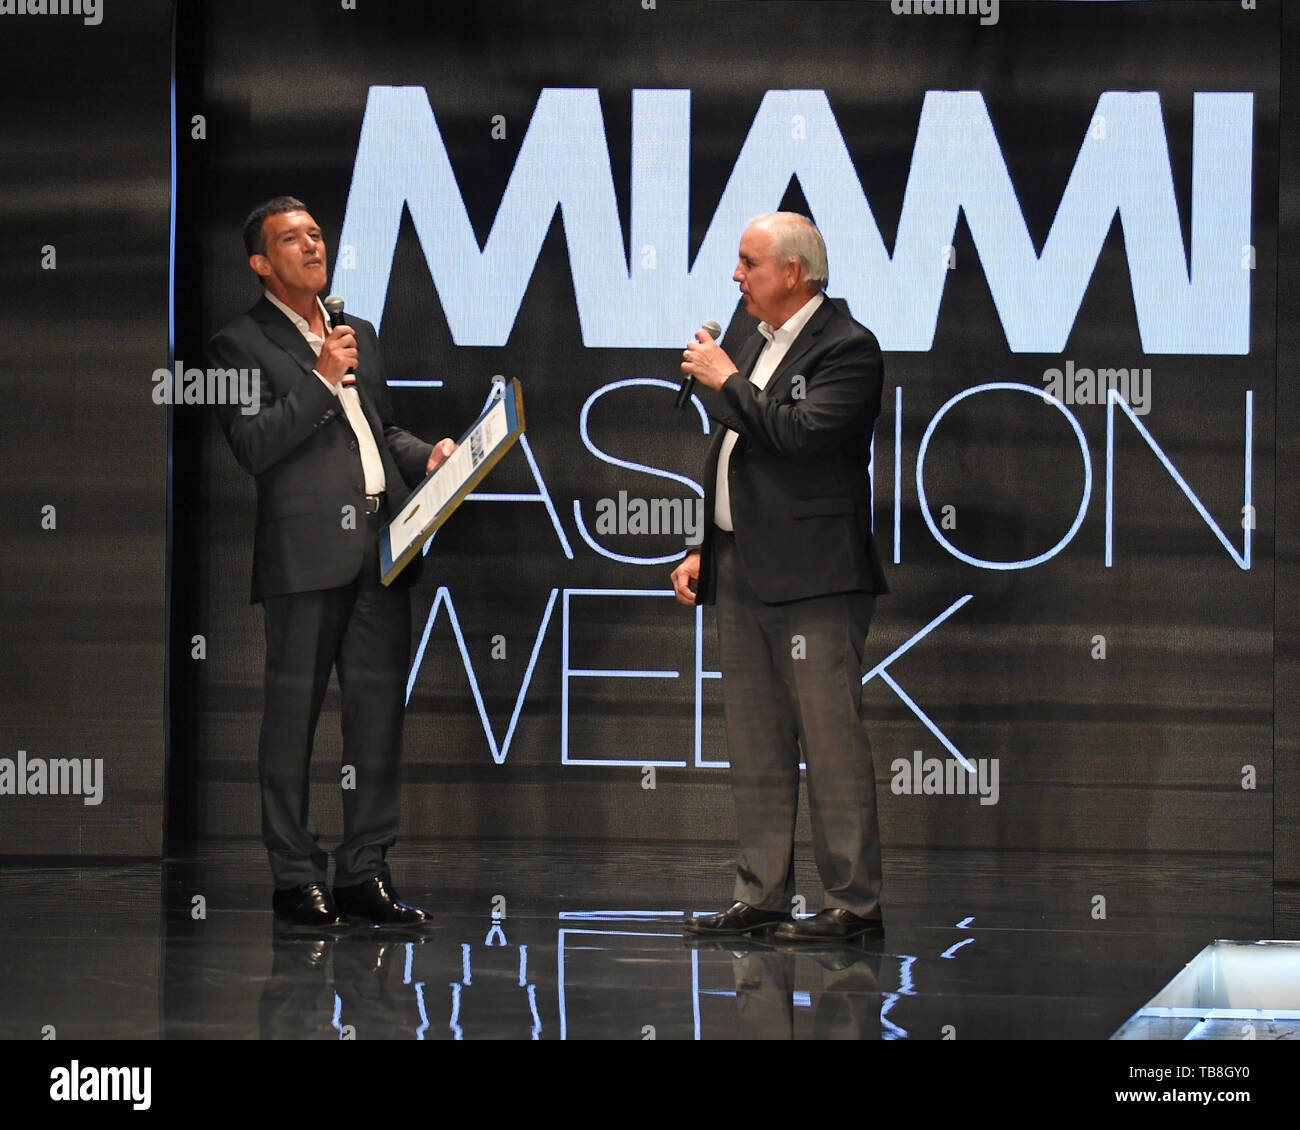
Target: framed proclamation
(499, 425)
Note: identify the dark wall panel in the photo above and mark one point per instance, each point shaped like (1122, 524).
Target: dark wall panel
(85, 180)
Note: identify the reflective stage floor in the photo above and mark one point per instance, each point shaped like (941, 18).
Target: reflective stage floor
(578, 941)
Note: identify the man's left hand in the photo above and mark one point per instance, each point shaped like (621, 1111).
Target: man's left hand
(441, 452)
(705, 360)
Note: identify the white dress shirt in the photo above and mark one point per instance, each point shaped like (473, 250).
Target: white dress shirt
(778, 345)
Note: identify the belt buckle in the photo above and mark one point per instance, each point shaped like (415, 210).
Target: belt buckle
(373, 502)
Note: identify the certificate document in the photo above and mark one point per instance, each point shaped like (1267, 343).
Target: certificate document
(435, 499)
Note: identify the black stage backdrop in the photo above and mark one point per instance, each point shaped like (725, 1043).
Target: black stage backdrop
(942, 155)
(554, 192)
(84, 203)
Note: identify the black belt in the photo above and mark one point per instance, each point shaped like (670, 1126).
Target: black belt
(374, 503)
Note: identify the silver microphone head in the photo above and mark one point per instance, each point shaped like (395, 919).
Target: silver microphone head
(711, 328)
(333, 307)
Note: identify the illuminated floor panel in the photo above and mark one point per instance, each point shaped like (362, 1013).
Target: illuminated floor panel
(1228, 991)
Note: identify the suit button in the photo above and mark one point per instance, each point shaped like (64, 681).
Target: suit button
(353, 445)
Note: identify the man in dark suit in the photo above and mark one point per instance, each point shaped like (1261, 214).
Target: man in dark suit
(331, 467)
(789, 559)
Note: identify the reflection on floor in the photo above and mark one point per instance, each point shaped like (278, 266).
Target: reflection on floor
(583, 941)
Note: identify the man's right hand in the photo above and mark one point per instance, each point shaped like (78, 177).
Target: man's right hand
(687, 571)
(338, 354)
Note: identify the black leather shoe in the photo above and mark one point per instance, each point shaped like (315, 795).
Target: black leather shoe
(835, 924)
(739, 918)
(377, 902)
(310, 906)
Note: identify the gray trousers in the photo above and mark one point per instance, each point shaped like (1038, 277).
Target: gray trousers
(791, 678)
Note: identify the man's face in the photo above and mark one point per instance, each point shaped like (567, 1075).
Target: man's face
(766, 285)
(294, 263)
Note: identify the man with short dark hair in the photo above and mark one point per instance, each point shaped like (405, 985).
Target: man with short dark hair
(255, 223)
(331, 467)
(789, 558)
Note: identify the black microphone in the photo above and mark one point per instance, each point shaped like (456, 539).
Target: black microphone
(687, 390)
(334, 308)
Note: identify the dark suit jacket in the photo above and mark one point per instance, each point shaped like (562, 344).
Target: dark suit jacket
(798, 478)
(305, 456)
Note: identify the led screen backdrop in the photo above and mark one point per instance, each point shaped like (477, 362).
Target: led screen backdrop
(1062, 227)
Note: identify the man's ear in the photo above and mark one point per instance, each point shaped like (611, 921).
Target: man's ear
(260, 263)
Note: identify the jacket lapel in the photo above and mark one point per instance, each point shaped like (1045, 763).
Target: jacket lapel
(372, 417)
(283, 333)
(749, 355)
(800, 347)
(749, 359)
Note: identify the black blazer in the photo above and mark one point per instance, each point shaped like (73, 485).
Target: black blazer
(304, 453)
(798, 476)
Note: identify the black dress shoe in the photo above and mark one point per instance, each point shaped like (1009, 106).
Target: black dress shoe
(309, 906)
(835, 924)
(377, 902)
(739, 918)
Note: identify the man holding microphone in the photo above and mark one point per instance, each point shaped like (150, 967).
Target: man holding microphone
(789, 559)
(331, 468)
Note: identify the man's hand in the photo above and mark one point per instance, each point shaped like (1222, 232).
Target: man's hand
(687, 571)
(705, 360)
(338, 354)
(441, 452)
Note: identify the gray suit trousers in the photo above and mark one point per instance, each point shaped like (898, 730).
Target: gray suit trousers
(791, 683)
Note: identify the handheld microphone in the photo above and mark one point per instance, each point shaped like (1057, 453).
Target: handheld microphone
(687, 390)
(334, 308)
